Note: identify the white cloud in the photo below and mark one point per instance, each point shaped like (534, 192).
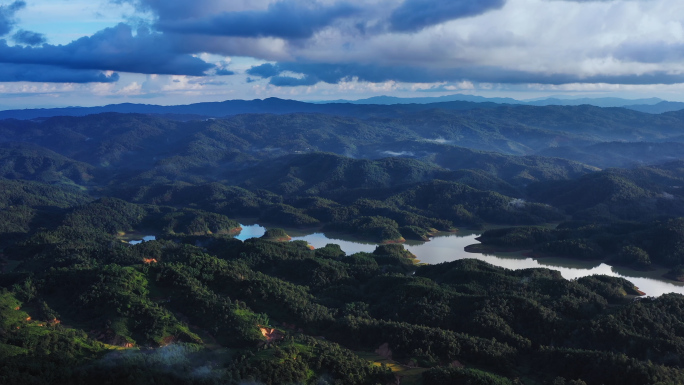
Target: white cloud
(577, 38)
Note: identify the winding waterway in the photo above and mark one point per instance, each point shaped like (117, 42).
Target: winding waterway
(449, 247)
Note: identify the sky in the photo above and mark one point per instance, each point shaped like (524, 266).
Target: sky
(96, 52)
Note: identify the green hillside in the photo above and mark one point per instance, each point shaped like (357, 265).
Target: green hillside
(81, 304)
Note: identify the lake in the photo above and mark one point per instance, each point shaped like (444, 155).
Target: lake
(450, 247)
(146, 238)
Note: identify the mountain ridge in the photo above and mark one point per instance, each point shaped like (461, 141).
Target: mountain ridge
(367, 107)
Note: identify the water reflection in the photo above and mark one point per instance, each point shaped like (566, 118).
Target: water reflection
(450, 247)
(250, 231)
(146, 238)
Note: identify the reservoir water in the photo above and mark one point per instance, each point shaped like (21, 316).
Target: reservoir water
(146, 238)
(450, 247)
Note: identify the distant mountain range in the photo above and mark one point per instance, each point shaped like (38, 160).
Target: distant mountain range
(649, 105)
(658, 108)
(236, 107)
(375, 106)
(386, 100)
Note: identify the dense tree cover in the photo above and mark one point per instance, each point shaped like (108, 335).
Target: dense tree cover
(287, 313)
(80, 305)
(149, 159)
(619, 154)
(618, 194)
(147, 149)
(39, 195)
(26, 206)
(463, 376)
(26, 161)
(118, 298)
(374, 228)
(465, 205)
(276, 235)
(317, 173)
(628, 243)
(410, 212)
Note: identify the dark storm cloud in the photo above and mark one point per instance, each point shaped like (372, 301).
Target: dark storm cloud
(52, 74)
(311, 73)
(7, 12)
(114, 49)
(176, 9)
(29, 37)
(290, 20)
(267, 70)
(414, 15)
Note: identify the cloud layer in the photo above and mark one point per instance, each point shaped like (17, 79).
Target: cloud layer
(112, 49)
(289, 20)
(414, 15)
(115, 49)
(29, 38)
(310, 42)
(7, 12)
(52, 74)
(310, 74)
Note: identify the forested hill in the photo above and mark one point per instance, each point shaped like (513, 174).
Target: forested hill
(102, 139)
(171, 149)
(79, 304)
(195, 306)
